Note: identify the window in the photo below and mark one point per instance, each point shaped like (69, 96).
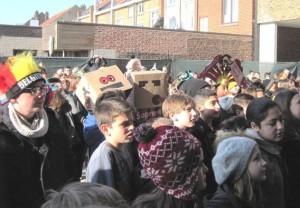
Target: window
(171, 2)
(172, 23)
(230, 11)
(19, 51)
(130, 11)
(204, 24)
(154, 15)
(140, 8)
(120, 21)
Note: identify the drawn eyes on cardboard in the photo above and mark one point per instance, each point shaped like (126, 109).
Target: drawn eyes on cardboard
(156, 83)
(107, 79)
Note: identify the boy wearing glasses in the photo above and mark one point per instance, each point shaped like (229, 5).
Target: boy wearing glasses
(34, 154)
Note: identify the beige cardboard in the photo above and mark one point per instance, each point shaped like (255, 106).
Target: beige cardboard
(95, 82)
(149, 89)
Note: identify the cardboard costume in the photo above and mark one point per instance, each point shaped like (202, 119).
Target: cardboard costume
(95, 82)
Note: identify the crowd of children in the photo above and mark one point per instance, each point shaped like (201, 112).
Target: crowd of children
(215, 146)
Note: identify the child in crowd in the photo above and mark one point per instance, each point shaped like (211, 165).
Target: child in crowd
(267, 127)
(238, 168)
(112, 162)
(84, 194)
(208, 108)
(180, 109)
(289, 103)
(92, 135)
(173, 159)
(243, 100)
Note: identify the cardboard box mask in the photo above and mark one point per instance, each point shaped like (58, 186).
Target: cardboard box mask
(95, 82)
(149, 89)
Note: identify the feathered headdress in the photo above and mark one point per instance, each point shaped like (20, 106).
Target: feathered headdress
(222, 69)
(18, 73)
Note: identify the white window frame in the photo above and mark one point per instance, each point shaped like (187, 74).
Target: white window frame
(140, 24)
(230, 11)
(140, 9)
(171, 2)
(203, 24)
(120, 21)
(130, 11)
(153, 20)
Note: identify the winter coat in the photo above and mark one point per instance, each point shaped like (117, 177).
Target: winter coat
(206, 136)
(31, 166)
(222, 198)
(273, 188)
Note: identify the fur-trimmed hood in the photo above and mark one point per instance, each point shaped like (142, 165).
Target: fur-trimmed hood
(221, 135)
(268, 146)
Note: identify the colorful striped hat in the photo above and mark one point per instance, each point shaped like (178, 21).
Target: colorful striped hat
(18, 73)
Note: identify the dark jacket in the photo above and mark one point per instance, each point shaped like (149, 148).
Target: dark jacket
(274, 188)
(30, 166)
(93, 66)
(207, 137)
(222, 198)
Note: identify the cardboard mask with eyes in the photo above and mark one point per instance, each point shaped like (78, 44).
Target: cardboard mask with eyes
(149, 89)
(95, 82)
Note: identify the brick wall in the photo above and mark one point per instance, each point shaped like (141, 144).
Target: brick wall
(8, 43)
(153, 43)
(288, 44)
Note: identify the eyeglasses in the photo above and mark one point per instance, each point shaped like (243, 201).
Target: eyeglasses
(34, 90)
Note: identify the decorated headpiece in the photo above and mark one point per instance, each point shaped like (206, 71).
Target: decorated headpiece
(223, 70)
(18, 73)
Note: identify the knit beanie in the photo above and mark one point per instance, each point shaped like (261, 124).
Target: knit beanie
(170, 156)
(17, 74)
(226, 102)
(232, 158)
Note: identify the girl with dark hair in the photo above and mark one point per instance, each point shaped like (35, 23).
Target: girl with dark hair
(289, 103)
(266, 126)
(264, 123)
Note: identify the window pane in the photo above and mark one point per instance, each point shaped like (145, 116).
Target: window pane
(153, 18)
(235, 10)
(130, 11)
(204, 24)
(226, 11)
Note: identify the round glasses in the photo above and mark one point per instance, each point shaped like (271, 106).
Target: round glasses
(34, 90)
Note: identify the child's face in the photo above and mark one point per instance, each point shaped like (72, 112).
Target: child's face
(257, 167)
(211, 108)
(186, 118)
(121, 130)
(295, 106)
(272, 127)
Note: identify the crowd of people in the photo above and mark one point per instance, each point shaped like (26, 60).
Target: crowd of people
(216, 145)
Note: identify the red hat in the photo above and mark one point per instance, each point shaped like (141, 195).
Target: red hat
(171, 159)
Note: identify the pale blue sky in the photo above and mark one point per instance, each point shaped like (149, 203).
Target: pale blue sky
(16, 12)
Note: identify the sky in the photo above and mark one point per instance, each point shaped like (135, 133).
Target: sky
(17, 12)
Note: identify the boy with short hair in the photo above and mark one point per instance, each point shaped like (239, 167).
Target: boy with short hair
(208, 108)
(243, 100)
(181, 110)
(112, 162)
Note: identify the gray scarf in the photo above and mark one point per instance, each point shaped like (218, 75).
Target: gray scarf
(37, 128)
